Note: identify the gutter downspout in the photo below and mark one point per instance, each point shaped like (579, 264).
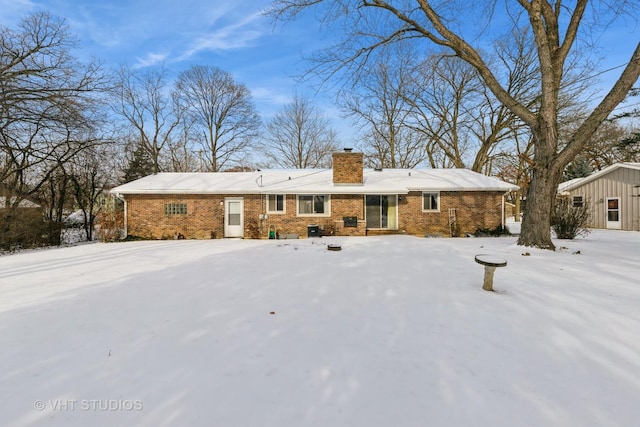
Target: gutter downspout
(502, 219)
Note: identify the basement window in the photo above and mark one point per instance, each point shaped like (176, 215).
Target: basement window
(431, 202)
(276, 203)
(578, 201)
(175, 209)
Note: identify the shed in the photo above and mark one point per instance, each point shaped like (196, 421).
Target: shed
(612, 195)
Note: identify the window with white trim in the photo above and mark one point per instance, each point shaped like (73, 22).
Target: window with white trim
(316, 204)
(578, 201)
(431, 202)
(276, 203)
(175, 208)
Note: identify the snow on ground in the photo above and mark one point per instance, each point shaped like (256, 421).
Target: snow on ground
(390, 331)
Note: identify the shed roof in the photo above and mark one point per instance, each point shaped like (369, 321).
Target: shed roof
(578, 182)
(23, 203)
(313, 181)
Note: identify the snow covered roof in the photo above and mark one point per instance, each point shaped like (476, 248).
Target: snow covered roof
(21, 204)
(577, 182)
(313, 181)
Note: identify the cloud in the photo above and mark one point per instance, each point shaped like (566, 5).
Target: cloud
(270, 95)
(233, 36)
(14, 10)
(150, 59)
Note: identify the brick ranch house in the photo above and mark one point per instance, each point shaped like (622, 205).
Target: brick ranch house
(346, 200)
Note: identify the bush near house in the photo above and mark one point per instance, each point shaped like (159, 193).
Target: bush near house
(25, 228)
(569, 221)
(110, 225)
(493, 232)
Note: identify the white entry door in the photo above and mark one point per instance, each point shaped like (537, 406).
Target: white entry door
(613, 213)
(233, 217)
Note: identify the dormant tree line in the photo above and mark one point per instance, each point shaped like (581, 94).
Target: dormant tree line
(69, 130)
(473, 32)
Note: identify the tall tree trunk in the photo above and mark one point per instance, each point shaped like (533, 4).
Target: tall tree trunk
(541, 194)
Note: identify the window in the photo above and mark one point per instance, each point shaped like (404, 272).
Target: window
(313, 205)
(578, 201)
(430, 201)
(175, 209)
(276, 203)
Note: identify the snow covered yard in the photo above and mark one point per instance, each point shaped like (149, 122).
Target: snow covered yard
(390, 331)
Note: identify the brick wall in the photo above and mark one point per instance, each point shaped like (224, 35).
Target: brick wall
(348, 168)
(474, 210)
(204, 218)
(205, 215)
(341, 205)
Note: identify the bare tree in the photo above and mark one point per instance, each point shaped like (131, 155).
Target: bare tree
(91, 174)
(49, 110)
(609, 145)
(299, 136)
(224, 119)
(497, 128)
(379, 104)
(558, 31)
(46, 98)
(514, 165)
(443, 96)
(143, 99)
(183, 154)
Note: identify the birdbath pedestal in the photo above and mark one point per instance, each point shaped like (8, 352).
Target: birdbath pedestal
(490, 263)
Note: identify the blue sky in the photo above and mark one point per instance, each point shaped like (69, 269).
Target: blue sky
(229, 34)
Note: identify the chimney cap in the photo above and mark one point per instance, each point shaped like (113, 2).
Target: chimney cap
(347, 149)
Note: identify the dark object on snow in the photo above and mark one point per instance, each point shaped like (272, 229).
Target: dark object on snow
(313, 230)
(334, 247)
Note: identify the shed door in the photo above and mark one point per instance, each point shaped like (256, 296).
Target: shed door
(233, 217)
(613, 213)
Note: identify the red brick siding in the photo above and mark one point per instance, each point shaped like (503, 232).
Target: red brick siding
(348, 168)
(205, 215)
(341, 205)
(474, 210)
(204, 218)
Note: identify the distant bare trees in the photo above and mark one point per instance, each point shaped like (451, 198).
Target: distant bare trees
(222, 118)
(49, 112)
(381, 106)
(204, 120)
(299, 136)
(143, 99)
(560, 31)
(444, 97)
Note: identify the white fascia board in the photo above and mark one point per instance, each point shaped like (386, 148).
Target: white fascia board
(454, 189)
(273, 190)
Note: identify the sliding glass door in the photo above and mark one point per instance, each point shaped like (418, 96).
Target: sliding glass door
(381, 211)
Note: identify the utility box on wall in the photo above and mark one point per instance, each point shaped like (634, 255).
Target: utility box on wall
(350, 221)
